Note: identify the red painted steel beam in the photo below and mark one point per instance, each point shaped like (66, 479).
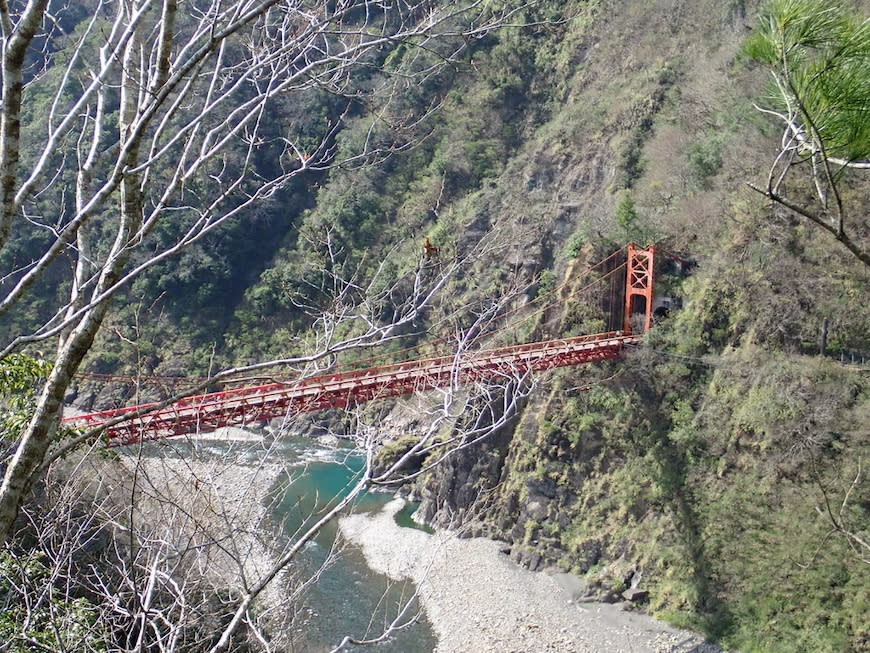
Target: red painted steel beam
(639, 287)
(246, 405)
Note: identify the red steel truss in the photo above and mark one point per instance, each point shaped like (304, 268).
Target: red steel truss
(207, 412)
(255, 404)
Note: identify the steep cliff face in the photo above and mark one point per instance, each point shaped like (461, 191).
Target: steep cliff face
(719, 489)
(693, 476)
(631, 103)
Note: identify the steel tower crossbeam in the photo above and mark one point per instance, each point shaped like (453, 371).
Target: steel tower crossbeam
(639, 289)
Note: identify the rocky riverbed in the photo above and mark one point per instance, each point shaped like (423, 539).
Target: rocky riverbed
(478, 600)
(475, 597)
(212, 508)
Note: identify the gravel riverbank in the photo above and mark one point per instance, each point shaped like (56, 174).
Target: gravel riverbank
(215, 507)
(478, 600)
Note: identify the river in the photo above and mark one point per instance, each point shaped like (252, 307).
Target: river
(348, 598)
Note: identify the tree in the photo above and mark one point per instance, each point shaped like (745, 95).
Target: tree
(153, 121)
(818, 54)
(133, 130)
(122, 541)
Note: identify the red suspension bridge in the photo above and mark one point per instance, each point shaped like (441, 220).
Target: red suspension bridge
(239, 406)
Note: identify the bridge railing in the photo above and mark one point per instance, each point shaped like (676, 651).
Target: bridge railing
(339, 389)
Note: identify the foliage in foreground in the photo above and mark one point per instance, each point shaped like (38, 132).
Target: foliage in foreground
(37, 615)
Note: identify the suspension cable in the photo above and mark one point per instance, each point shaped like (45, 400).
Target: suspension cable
(384, 356)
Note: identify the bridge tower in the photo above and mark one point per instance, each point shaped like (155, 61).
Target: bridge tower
(639, 289)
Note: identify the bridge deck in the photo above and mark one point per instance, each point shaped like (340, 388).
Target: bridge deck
(254, 404)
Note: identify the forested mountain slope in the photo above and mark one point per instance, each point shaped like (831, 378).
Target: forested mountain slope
(723, 467)
(719, 470)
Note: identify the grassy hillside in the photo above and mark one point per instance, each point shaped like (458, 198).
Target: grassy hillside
(723, 468)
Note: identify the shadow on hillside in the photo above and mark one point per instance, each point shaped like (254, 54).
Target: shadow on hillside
(712, 614)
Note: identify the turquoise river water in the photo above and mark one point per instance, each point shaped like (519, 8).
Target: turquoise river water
(348, 598)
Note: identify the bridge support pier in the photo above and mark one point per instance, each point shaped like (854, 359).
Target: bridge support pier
(639, 289)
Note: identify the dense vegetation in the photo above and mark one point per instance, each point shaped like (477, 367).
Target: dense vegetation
(723, 467)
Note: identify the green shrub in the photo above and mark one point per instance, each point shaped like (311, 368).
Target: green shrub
(705, 161)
